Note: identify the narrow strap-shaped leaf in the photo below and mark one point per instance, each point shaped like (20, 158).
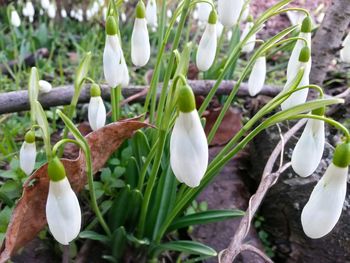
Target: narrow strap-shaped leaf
(205, 217)
(94, 236)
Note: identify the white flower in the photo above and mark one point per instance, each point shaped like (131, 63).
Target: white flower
(151, 13)
(63, 211)
(257, 76)
(250, 44)
(229, 11)
(45, 86)
(140, 46)
(203, 10)
(345, 51)
(63, 13)
(97, 113)
(322, 212)
(308, 151)
(296, 17)
(112, 61)
(188, 149)
(27, 156)
(219, 29)
(207, 48)
(15, 20)
(45, 4)
(245, 13)
(29, 10)
(51, 11)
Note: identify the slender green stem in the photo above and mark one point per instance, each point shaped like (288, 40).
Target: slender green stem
(61, 143)
(115, 101)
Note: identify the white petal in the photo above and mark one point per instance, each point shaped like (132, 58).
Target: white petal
(140, 46)
(96, 113)
(27, 156)
(295, 17)
(15, 20)
(245, 13)
(151, 13)
(250, 44)
(45, 4)
(300, 96)
(63, 212)
(125, 73)
(308, 151)
(203, 10)
(219, 29)
(207, 48)
(345, 51)
(112, 61)
(229, 10)
(323, 210)
(257, 76)
(45, 86)
(188, 149)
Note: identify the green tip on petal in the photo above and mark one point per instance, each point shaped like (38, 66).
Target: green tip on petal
(29, 137)
(341, 156)
(95, 90)
(213, 17)
(304, 54)
(306, 26)
(56, 170)
(111, 26)
(186, 100)
(140, 10)
(250, 18)
(320, 111)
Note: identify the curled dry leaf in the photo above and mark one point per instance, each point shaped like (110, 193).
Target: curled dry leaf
(28, 217)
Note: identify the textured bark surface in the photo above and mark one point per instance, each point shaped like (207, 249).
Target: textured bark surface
(328, 38)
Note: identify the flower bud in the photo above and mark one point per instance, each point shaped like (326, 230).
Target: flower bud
(27, 153)
(207, 46)
(306, 26)
(63, 212)
(188, 143)
(14, 19)
(97, 110)
(45, 86)
(250, 44)
(257, 76)
(229, 11)
(140, 45)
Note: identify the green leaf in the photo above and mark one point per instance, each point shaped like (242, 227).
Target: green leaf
(82, 71)
(187, 247)
(118, 243)
(132, 172)
(140, 146)
(44, 125)
(205, 217)
(118, 212)
(94, 236)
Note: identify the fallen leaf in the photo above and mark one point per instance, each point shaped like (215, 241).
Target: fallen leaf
(28, 217)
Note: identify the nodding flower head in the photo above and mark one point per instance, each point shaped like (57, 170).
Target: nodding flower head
(27, 153)
(97, 110)
(229, 11)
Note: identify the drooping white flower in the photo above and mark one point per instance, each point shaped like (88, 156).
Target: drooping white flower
(63, 212)
(257, 76)
(295, 17)
(45, 4)
(188, 143)
(15, 20)
(308, 151)
(203, 10)
(97, 110)
(45, 86)
(300, 96)
(63, 13)
(51, 11)
(345, 51)
(140, 45)
(207, 46)
(229, 11)
(29, 11)
(250, 44)
(245, 13)
(151, 13)
(27, 153)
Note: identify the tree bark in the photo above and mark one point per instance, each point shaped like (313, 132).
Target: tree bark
(328, 39)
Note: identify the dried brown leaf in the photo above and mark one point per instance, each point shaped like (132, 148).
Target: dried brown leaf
(28, 217)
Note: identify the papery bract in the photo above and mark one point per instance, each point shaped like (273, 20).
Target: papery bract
(257, 76)
(308, 151)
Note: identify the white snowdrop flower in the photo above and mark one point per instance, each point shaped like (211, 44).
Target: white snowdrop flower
(250, 44)
(95, 7)
(345, 51)
(323, 209)
(140, 45)
(151, 13)
(308, 151)
(123, 17)
(63, 13)
(257, 76)
(101, 2)
(45, 86)
(89, 14)
(299, 96)
(219, 29)
(245, 13)
(72, 13)
(97, 110)
(114, 66)
(169, 13)
(229, 11)
(125, 72)
(296, 17)
(188, 143)
(15, 20)
(41, 12)
(203, 10)
(27, 153)
(29, 11)
(51, 11)
(320, 17)
(207, 46)
(45, 4)
(305, 32)
(63, 212)
(104, 12)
